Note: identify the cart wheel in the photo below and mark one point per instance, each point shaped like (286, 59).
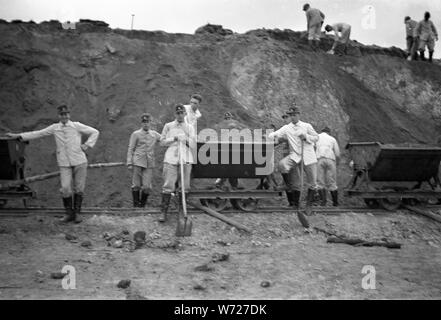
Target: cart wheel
(390, 204)
(249, 204)
(215, 204)
(411, 201)
(372, 203)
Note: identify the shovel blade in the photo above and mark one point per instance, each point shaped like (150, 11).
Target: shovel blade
(183, 229)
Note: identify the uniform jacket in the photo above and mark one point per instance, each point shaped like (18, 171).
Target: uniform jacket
(291, 132)
(327, 147)
(141, 150)
(68, 141)
(172, 130)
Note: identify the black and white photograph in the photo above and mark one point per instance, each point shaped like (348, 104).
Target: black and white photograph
(220, 155)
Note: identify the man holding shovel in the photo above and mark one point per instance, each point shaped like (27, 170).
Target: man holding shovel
(301, 137)
(71, 158)
(179, 137)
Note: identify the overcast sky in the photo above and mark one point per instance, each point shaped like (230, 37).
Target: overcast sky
(373, 21)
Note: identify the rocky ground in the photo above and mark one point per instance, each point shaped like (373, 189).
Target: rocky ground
(279, 260)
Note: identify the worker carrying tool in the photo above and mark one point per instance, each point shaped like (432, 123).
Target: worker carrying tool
(314, 22)
(328, 155)
(71, 158)
(341, 39)
(141, 160)
(427, 35)
(174, 133)
(411, 38)
(301, 137)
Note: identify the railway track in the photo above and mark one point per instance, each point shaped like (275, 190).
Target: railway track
(125, 211)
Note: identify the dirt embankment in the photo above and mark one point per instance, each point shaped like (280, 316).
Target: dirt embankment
(111, 76)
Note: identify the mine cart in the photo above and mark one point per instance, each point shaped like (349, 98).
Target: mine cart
(12, 166)
(387, 175)
(243, 160)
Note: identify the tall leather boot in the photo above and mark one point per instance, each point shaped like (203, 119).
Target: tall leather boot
(423, 58)
(295, 198)
(309, 201)
(334, 195)
(284, 187)
(430, 56)
(144, 197)
(289, 197)
(135, 196)
(164, 206)
(323, 194)
(78, 200)
(311, 44)
(69, 215)
(316, 45)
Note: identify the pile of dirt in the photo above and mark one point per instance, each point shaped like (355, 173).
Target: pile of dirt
(213, 28)
(109, 77)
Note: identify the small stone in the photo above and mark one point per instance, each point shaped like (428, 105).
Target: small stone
(58, 275)
(199, 287)
(220, 257)
(124, 284)
(70, 237)
(118, 244)
(125, 232)
(86, 244)
(203, 268)
(265, 284)
(139, 236)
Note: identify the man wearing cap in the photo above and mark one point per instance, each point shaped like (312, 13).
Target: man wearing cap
(314, 18)
(228, 124)
(192, 111)
(300, 135)
(341, 39)
(328, 155)
(411, 39)
(175, 133)
(141, 160)
(427, 34)
(70, 157)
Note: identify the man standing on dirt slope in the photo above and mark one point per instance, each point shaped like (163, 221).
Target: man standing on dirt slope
(228, 124)
(314, 21)
(141, 160)
(301, 137)
(192, 110)
(411, 38)
(328, 155)
(70, 157)
(342, 38)
(175, 133)
(427, 35)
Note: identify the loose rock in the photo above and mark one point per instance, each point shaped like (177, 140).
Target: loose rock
(124, 284)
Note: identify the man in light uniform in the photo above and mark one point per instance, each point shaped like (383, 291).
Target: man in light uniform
(314, 21)
(297, 133)
(70, 157)
(411, 39)
(141, 160)
(426, 33)
(175, 133)
(328, 155)
(192, 111)
(341, 39)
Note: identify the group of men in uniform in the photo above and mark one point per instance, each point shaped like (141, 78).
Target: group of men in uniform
(419, 35)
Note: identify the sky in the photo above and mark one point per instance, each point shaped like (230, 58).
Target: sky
(379, 22)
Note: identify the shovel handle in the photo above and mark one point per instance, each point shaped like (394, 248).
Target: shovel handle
(181, 165)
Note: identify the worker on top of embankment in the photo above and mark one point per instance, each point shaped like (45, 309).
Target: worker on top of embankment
(341, 39)
(427, 35)
(71, 158)
(314, 22)
(141, 160)
(411, 38)
(192, 111)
